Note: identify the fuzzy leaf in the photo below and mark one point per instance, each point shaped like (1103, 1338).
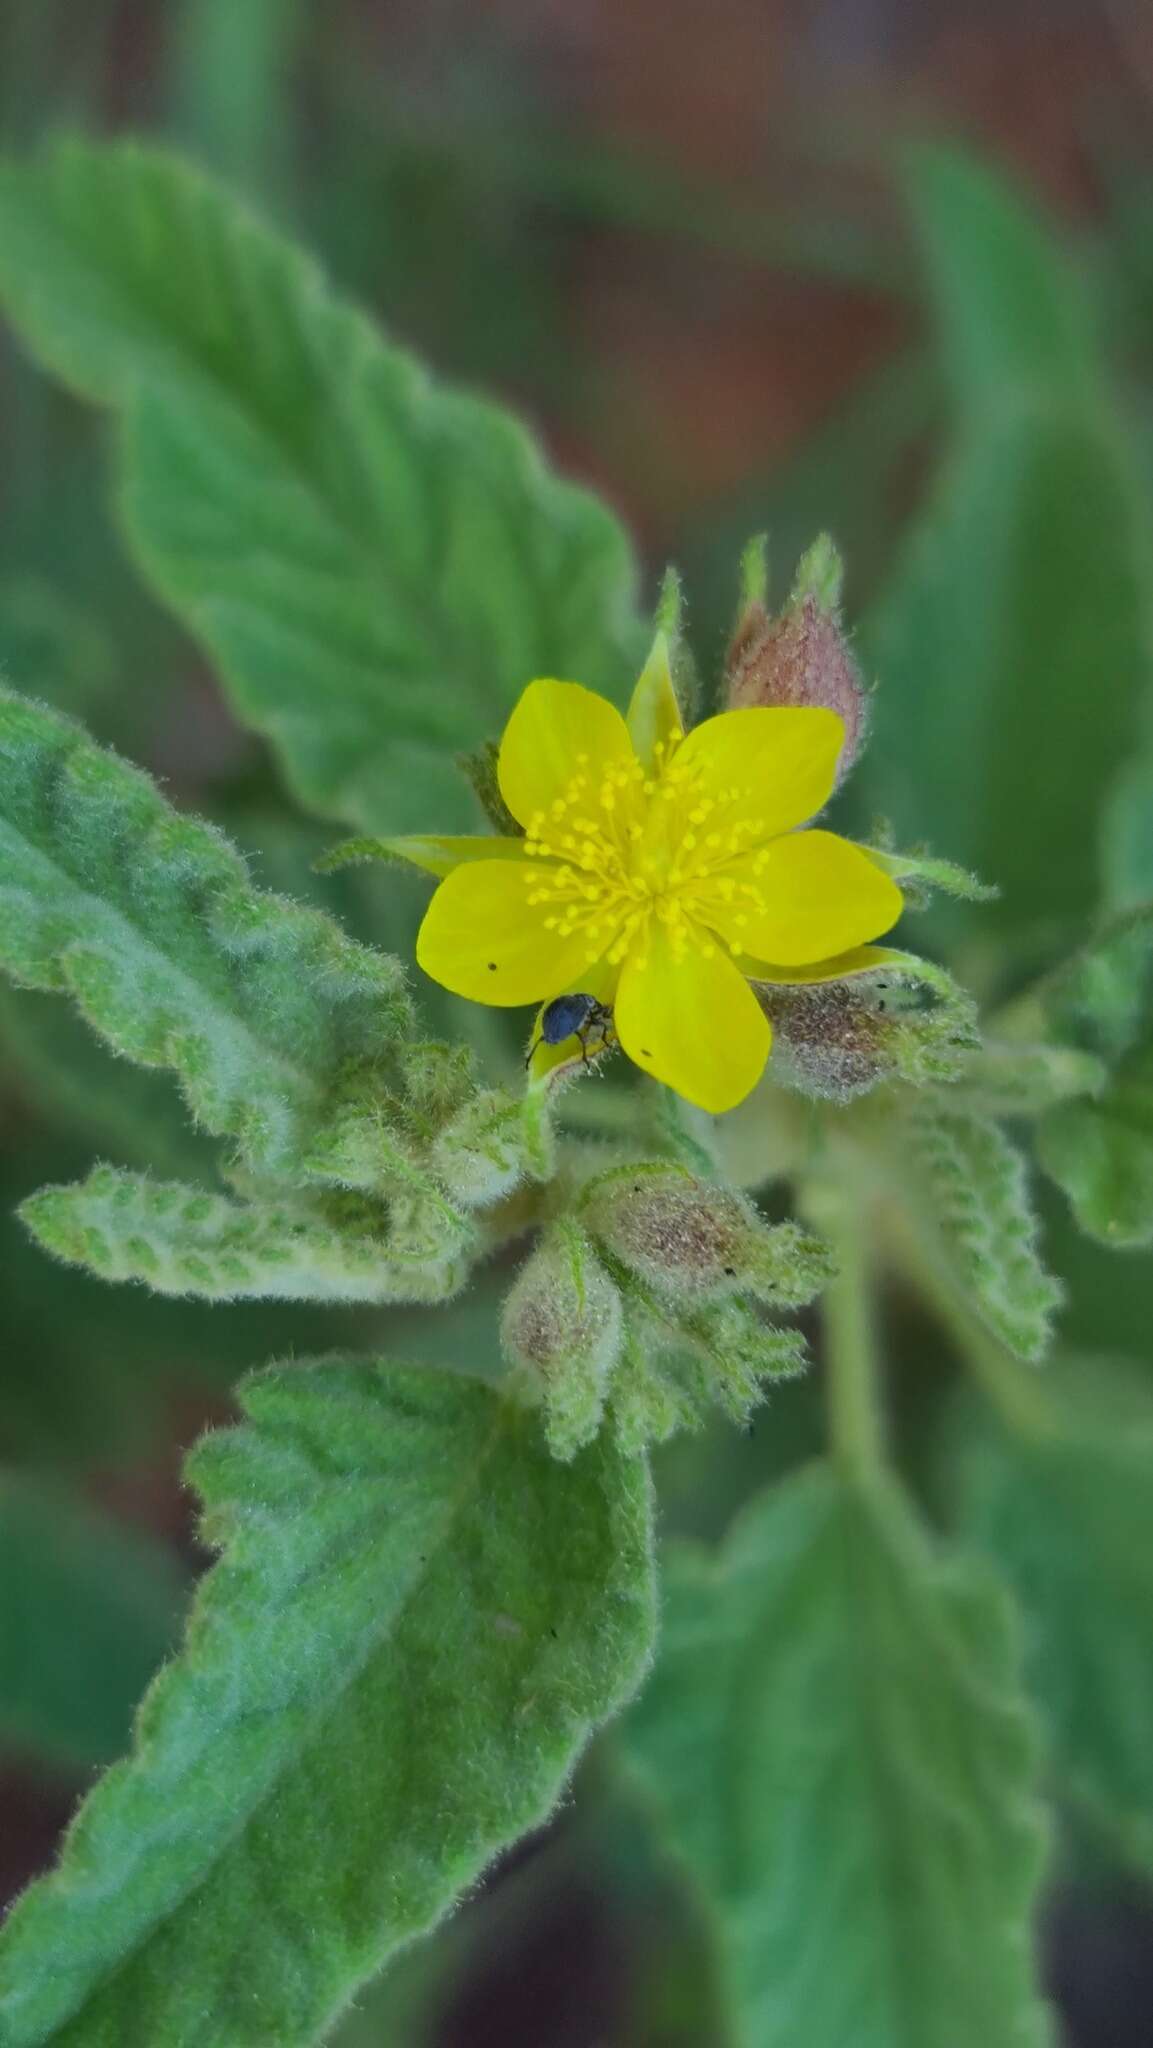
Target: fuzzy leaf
(1001, 1078)
(183, 1240)
(1028, 577)
(150, 921)
(1066, 1513)
(88, 1611)
(1100, 1152)
(975, 1194)
(377, 565)
(835, 1731)
(418, 1619)
(1103, 996)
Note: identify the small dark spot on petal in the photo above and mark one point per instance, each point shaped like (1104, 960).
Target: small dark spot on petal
(645, 1053)
(492, 966)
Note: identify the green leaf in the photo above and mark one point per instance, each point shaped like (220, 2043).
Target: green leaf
(377, 565)
(183, 1240)
(1012, 312)
(1127, 837)
(1002, 1078)
(1028, 578)
(418, 1619)
(1067, 1515)
(148, 919)
(87, 1612)
(973, 1199)
(1102, 997)
(835, 1729)
(1100, 1151)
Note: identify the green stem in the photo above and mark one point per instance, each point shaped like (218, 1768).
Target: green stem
(853, 1377)
(1014, 1389)
(685, 1132)
(605, 1112)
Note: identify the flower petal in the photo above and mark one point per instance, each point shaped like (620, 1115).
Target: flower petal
(692, 1021)
(482, 938)
(437, 852)
(654, 717)
(552, 726)
(861, 960)
(819, 896)
(779, 762)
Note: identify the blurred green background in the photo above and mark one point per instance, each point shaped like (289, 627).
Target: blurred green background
(698, 249)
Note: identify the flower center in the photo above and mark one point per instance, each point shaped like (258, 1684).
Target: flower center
(632, 847)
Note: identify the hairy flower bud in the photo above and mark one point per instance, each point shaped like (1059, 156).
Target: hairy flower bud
(562, 1330)
(679, 1234)
(829, 1038)
(480, 1155)
(798, 658)
(838, 1039)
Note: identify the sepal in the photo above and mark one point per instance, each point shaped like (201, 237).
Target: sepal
(920, 874)
(561, 1330)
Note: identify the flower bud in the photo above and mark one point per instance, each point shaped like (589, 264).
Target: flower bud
(480, 1155)
(838, 1039)
(682, 1236)
(801, 657)
(798, 658)
(562, 1330)
(829, 1037)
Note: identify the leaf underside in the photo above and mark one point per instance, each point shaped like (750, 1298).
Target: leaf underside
(976, 1213)
(182, 1240)
(149, 921)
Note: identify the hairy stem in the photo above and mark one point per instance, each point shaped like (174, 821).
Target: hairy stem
(835, 1205)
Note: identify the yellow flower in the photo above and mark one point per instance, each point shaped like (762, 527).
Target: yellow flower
(659, 871)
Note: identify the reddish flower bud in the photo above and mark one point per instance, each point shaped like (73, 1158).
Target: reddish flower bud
(799, 658)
